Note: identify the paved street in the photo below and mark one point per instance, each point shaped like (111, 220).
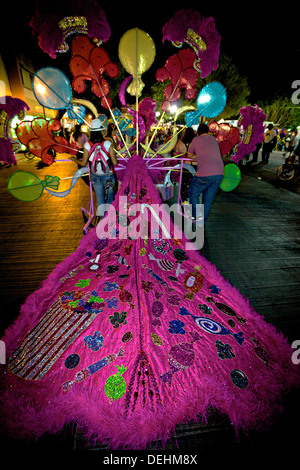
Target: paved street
(268, 172)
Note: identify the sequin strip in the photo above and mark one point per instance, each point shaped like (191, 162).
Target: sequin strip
(142, 384)
(47, 341)
(91, 369)
(158, 278)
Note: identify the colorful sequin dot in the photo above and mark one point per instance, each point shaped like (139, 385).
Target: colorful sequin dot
(115, 386)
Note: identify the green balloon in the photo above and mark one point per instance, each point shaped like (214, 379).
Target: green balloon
(232, 177)
(25, 186)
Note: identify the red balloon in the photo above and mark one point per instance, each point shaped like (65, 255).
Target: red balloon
(225, 147)
(213, 127)
(224, 130)
(234, 136)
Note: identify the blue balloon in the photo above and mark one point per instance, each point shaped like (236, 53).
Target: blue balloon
(77, 112)
(211, 102)
(192, 118)
(52, 88)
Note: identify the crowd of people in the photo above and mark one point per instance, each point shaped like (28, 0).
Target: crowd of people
(277, 139)
(200, 149)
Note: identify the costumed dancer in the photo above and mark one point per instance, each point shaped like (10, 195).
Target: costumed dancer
(100, 156)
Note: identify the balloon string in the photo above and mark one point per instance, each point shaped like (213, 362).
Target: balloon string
(53, 143)
(163, 115)
(110, 110)
(176, 133)
(42, 182)
(162, 159)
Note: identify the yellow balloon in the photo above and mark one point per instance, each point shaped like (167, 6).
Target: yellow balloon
(136, 53)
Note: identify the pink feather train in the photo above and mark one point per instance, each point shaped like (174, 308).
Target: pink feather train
(130, 336)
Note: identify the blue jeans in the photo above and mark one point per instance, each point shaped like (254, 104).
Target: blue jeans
(208, 187)
(104, 189)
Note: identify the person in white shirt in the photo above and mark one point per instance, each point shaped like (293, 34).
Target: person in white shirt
(100, 155)
(269, 143)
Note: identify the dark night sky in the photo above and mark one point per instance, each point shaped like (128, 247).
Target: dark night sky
(263, 39)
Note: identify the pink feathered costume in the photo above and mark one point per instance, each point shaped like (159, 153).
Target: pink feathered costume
(138, 339)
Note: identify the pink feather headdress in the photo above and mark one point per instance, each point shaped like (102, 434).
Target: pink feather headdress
(200, 33)
(67, 18)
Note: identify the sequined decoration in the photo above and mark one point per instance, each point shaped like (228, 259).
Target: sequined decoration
(126, 296)
(156, 339)
(181, 357)
(118, 319)
(260, 352)
(115, 386)
(226, 310)
(127, 337)
(94, 342)
(91, 369)
(142, 385)
(157, 310)
(195, 40)
(72, 361)
(69, 23)
(239, 379)
(3, 126)
(224, 350)
(193, 281)
(198, 44)
(176, 327)
(73, 25)
(247, 136)
(38, 351)
(161, 246)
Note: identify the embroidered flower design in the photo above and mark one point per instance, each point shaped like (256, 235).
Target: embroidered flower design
(94, 342)
(214, 289)
(83, 283)
(112, 303)
(67, 296)
(147, 286)
(176, 327)
(206, 310)
(117, 319)
(224, 350)
(110, 286)
(174, 299)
